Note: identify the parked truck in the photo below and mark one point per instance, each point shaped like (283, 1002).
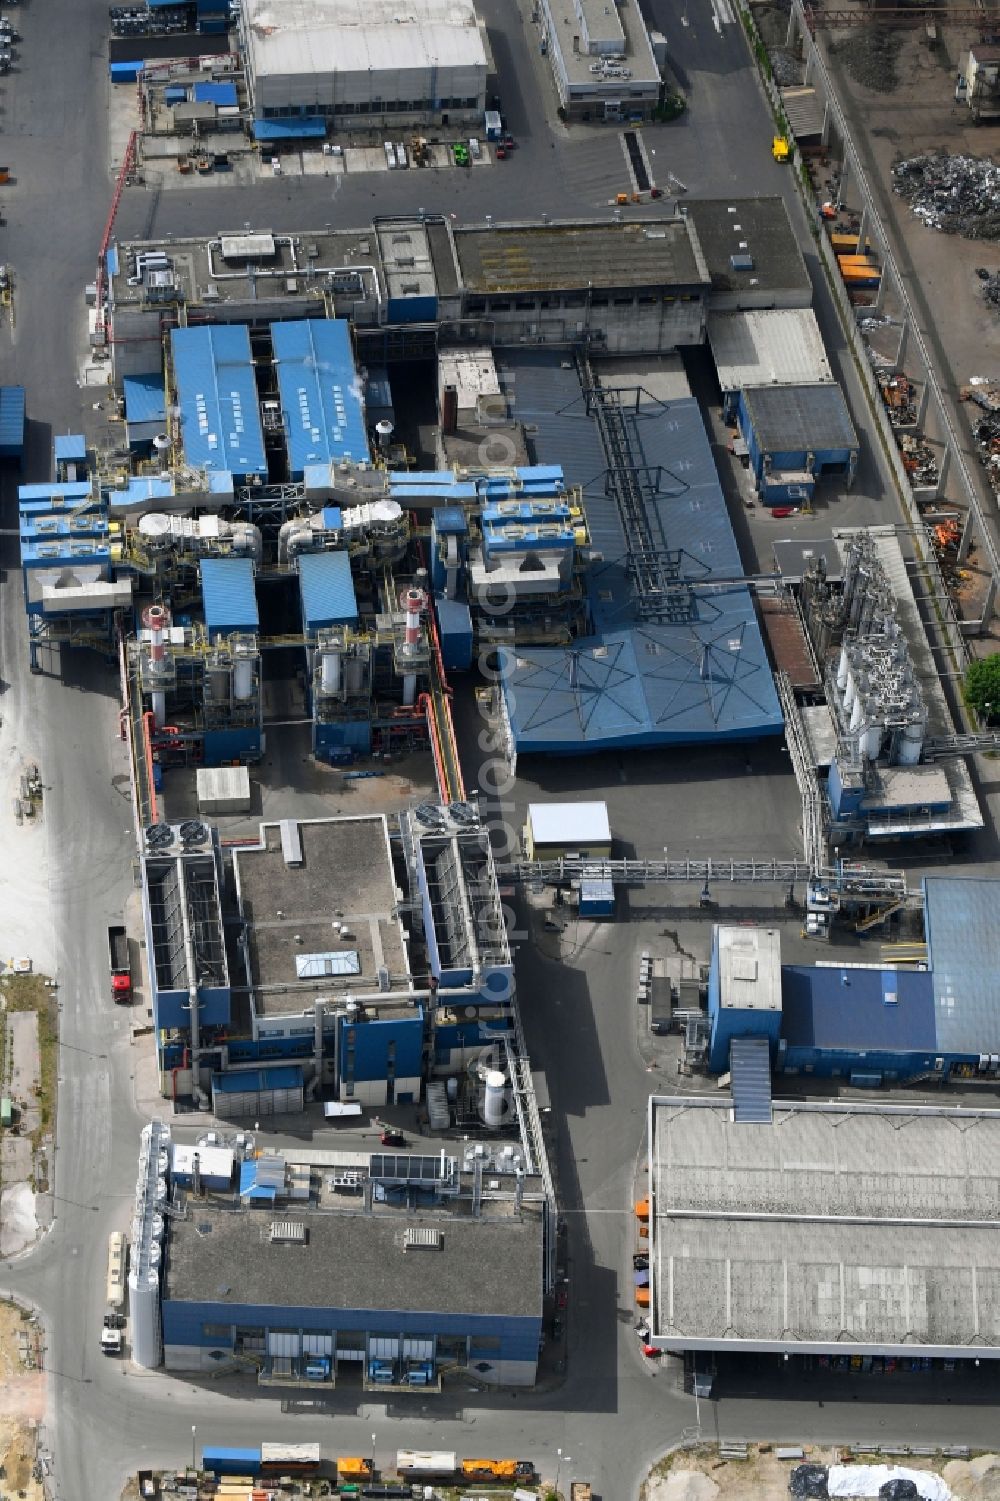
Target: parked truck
(121, 969)
(580, 1490)
(111, 1334)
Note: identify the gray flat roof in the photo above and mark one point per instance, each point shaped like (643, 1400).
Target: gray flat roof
(621, 27)
(346, 877)
(725, 225)
(196, 266)
(544, 257)
(766, 347)
(836, 1227)
(794, 419)
(486, 1266)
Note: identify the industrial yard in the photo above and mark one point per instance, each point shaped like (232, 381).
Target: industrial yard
(492, 567)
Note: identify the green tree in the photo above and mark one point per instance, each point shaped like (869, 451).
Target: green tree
(982, 688)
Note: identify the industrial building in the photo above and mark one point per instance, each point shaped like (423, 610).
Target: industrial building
(773, 347)
(881, 751)
(319, 65)
(220, 424)
(824, 1229)
(554, 831)
(672, 652)
(796, 435)
(602, 60)
(325, 993)
(751, 253)
(867, 1024)
(408, 284)
(313, 1268)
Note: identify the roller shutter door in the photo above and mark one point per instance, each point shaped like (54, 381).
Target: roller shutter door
(317, 1344)
(383, 1349)
(282, 1344)
(418, 1349)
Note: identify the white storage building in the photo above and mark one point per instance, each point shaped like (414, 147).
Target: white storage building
(313, 65)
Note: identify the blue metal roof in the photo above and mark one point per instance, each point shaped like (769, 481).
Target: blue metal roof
(309, 127)
(142, 487)
(215, 93)
(70, 448)
(145, 398)
(228, 596)
(961, 923)
(217, 395)
(450, 520)
(320, 392)
(53, 495)
(249, 1187)
(327, 590)
(852, 1009)
(633, 683)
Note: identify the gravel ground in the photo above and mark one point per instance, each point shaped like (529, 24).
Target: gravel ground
(870, 54)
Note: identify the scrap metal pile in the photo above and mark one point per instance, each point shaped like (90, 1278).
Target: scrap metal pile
(986, 429)
(960, 195)
(918, 459)
(898, 397)
(991, 286)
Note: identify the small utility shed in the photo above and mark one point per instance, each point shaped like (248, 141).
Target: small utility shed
(772, 347)
(554, 830)
(795, 434)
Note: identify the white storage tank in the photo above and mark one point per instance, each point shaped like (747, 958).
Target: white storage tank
(144, 1305)
(494, 1098)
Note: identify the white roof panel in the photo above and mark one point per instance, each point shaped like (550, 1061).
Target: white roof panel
(296, 37)
(569, 823)
(769, 347)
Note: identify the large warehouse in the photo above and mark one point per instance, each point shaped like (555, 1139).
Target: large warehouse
(319, 64)
(828, 1229)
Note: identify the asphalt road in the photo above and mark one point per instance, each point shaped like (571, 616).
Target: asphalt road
(614, 1411)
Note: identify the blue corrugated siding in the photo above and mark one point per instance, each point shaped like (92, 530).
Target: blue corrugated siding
(412, 310)
(372, 1046)
(228, 596)
(11, 421)
(320, 399)
(184, 1324)
(220, 747)
(217, 395)
(172, 1008)
(455, 630)
(287, 1076)
(327, 590)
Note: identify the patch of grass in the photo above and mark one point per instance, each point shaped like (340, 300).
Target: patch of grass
(32, 993)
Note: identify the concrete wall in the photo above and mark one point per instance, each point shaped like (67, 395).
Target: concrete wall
(627, 322)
